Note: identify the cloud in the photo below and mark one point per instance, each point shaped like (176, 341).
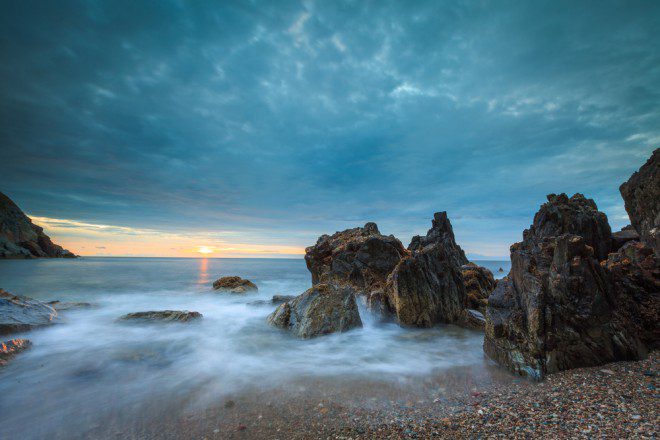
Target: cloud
(274, 124)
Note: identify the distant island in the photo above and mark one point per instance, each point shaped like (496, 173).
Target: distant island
(20, 238)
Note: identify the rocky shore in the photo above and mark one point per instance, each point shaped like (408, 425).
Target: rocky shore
(20, 238)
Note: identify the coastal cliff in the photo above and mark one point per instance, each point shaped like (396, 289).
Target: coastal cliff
(20, 238)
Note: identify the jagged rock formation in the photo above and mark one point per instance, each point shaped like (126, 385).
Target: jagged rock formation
(322, 309)
(360, 257)
(20, 238)
(641, 194)
(162, 316)
(19, 313)
(562, 306)
(11, 348)
(234, 285)
(426, 286)
(419, 286)
(479, 284)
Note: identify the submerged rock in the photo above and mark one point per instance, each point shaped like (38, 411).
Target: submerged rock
(276, 299)
(234, 284)
(559, 307)
(479, 284)
(641, 194)
(163, 316)
(321, 310)
(426, 286)
(19, 313)
(11, 348)
(360, 257)
(20, 238)
(64, 305)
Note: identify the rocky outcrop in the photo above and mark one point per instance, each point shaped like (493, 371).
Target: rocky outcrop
(426, 287)
(11, 348)
(18, 313)
(162, 316)
(20, 238)
(361, 258)
(420, 286)
(577, 215)
(479, 284)
(561, 306)
(323, 309)
(234, 285)
(641, 194)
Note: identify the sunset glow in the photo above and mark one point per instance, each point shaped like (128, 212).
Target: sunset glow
(90, 239)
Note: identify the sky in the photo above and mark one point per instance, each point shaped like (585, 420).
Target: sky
(248, 129)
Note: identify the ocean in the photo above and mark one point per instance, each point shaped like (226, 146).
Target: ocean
(90, 367)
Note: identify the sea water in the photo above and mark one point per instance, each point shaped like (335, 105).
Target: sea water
(90, 364)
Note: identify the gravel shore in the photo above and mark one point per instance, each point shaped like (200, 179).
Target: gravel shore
(613, 401)
(619, 400)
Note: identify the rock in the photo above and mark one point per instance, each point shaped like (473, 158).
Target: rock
(276, 299)
(441, 233)
(279, 299)
(479, 283)
(626, 234)
(559, 307)
(641, 194)
(635, 274)
(360, 257)
(163, 316)
(323, 309)
(475, 319)
(426, 286)
(20, 238)
(19, 313)
(500, 270)
(577, 215)
(63, 305)
(11, 348)
(234, 285)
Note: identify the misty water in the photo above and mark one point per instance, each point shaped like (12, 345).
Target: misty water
(89, 364)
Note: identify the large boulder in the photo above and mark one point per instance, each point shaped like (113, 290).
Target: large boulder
(18, 313)
(560, 307)
(323, 309)
(641, 194)
(360, 257)
(20, 238)
(162, 316)
(426, 286)
(234, 284)
(11, 348)
(626, 234)
(479, 284)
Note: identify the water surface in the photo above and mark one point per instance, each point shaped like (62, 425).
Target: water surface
(90, 366)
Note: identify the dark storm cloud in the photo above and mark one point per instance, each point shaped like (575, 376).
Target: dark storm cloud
(284, 120)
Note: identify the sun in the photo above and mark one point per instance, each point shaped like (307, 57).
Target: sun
(205, 249)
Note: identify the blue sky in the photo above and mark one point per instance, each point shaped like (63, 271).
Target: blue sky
(261, 125)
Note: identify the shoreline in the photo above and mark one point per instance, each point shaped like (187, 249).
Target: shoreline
(617, 400)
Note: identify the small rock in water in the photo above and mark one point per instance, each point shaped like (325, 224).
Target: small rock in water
(163, 316)
(11, 348)
(234, 284)
(229, 404)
